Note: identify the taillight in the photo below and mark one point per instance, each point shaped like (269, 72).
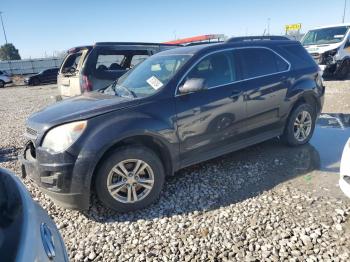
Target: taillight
(87, 84)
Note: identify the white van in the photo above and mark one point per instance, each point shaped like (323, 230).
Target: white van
(330, 47)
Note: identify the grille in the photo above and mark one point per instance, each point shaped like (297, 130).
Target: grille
(31, 132)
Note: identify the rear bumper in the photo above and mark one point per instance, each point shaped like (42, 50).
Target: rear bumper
(61, 180)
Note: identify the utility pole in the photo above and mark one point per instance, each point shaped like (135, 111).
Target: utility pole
(344, 11)
(3, 27)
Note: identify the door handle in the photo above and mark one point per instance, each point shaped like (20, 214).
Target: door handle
(235, 95)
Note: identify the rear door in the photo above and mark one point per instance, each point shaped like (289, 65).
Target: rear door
(209, 120)
(68, 79)
(265, 83)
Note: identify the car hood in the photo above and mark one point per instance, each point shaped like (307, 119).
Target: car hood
(78, 108)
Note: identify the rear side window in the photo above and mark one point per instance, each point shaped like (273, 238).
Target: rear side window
(298, 56)
(110, 61)
(216, 69)
(256, 62)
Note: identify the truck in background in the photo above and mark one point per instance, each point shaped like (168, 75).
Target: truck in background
(330, 47)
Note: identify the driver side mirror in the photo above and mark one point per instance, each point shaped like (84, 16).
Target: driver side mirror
(192, 85)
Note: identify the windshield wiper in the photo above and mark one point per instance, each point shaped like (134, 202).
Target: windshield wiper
(115, 86)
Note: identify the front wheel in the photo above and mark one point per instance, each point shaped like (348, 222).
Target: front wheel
(344, 70)
(2, 84)
(300, 125)
(131, 178)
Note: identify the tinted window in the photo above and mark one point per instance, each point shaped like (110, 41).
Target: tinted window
(257, 62)
(110, 62)
(215, 69)
(297, 56)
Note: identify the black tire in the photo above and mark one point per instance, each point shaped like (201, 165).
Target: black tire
(35, 82)
(289, 136)
(2, 84)
(344, 70)
(122, 154)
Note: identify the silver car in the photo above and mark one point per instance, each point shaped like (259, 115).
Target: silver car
(27, 233)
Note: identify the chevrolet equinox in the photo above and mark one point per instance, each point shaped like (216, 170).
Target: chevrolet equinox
(177, 108)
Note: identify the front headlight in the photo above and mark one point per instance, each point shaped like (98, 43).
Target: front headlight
(62, 137)
(345, 160)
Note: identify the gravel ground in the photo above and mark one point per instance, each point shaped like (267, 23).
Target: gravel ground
(265, 202)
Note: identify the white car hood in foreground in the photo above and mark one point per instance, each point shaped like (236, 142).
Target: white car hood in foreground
(344, 181)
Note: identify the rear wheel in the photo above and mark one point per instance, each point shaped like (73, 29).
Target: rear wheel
(300, 125)
(131, 178)
(2, 83)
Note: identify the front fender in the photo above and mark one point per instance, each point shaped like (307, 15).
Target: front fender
(107, 130)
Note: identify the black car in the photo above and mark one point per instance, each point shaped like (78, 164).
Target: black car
(177, 108)
(44, 77)
(27, 233)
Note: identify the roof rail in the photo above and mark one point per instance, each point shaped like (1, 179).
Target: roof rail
(133, 43)
(256, 38)
(203, 43)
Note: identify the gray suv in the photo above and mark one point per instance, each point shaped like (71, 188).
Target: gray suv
(88, 68)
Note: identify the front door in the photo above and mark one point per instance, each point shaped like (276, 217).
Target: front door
(207, 120)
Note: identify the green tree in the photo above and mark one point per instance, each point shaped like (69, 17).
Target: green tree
(9, 52)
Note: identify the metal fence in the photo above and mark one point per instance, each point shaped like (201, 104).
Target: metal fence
(29, 66)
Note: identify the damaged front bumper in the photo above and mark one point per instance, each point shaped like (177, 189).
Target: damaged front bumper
(54, 176)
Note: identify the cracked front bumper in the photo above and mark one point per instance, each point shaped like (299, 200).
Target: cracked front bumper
(55, 177)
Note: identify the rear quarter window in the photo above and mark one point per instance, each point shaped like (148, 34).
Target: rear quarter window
(257, 62)
(297, 56)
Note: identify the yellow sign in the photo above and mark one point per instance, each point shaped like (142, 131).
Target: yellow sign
(293, 27)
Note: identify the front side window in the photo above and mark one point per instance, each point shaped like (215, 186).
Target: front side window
(149, 76)
(325, 35)
(215, 70)
(257, 62)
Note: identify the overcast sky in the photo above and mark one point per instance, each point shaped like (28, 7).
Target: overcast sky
(37, 27)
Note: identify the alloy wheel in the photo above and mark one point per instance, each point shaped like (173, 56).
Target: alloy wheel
(302, 126)
(130, 181)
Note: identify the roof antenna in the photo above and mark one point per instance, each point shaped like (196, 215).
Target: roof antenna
(344, 11)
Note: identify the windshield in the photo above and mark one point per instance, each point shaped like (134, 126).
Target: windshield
(325, 35)
(149, 76)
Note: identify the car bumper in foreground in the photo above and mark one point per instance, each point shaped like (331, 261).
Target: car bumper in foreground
(345, 185)
(344, 181)
(30, 234)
